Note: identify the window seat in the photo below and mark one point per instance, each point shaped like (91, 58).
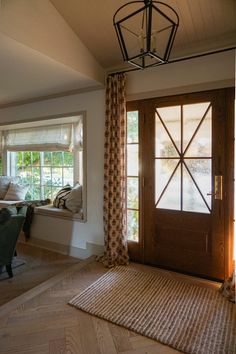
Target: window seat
(50, 210)
(31, 205)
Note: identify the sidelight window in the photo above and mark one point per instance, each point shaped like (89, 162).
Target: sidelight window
(132, 171)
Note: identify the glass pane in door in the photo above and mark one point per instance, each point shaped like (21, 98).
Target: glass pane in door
(192, 116)
(200, 170)
(200, 146)
(171, 197)
(183, 138)
(192, 198)
(164, 169)
(164, 146)
(171, 117)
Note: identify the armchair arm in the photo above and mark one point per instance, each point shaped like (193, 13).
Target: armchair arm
(9, 233)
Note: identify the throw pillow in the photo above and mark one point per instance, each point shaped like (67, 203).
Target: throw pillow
(60, 199)
(74, 199)
(4, 184)
(16, 192)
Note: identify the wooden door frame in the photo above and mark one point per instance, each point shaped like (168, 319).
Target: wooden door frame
(229, 180)
(136, 250)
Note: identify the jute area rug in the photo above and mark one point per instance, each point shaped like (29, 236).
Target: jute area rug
(187, 317)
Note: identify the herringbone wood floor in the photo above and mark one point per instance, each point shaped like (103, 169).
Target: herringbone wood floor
(40, 265)
(41, 322)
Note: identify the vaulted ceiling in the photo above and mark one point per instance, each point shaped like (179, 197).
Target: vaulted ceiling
(54, 46)
(205, 25)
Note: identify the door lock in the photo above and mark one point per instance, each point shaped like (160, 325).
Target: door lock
(218, 188)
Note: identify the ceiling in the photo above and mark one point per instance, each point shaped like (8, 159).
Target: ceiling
(50, 47)
(25, 72)
(205, 25)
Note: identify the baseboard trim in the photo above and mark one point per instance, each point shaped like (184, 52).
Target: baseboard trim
(91, 248)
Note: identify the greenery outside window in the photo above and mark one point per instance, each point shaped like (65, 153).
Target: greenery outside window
(45, 172)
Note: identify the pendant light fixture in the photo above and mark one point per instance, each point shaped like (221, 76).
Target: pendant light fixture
(146, 31)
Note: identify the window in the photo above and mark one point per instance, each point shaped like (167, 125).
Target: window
(45, 172)
(183, 157)
(46, 155)
(132, 171)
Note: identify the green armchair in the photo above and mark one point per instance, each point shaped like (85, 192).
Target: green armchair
(11, 221)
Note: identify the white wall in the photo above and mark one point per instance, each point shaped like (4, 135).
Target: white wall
(204, 73)
(38, 25)
(59, 230)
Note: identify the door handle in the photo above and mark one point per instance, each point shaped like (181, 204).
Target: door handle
(218, 188)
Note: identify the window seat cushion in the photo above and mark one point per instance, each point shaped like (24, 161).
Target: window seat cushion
(50, 210)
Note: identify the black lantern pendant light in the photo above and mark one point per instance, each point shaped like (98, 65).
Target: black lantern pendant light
(146, 31)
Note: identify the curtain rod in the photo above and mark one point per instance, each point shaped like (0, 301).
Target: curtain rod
(176, 60)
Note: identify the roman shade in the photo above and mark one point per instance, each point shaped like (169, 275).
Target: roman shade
(50, 138)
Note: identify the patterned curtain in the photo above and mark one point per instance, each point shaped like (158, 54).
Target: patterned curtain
(116, 250)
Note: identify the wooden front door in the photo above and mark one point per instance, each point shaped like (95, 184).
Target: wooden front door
(184, 190)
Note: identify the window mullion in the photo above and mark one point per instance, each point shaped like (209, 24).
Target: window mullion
(62, 168)
(41, 161)
(31, 168)
(13, 164)
(51, 171)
